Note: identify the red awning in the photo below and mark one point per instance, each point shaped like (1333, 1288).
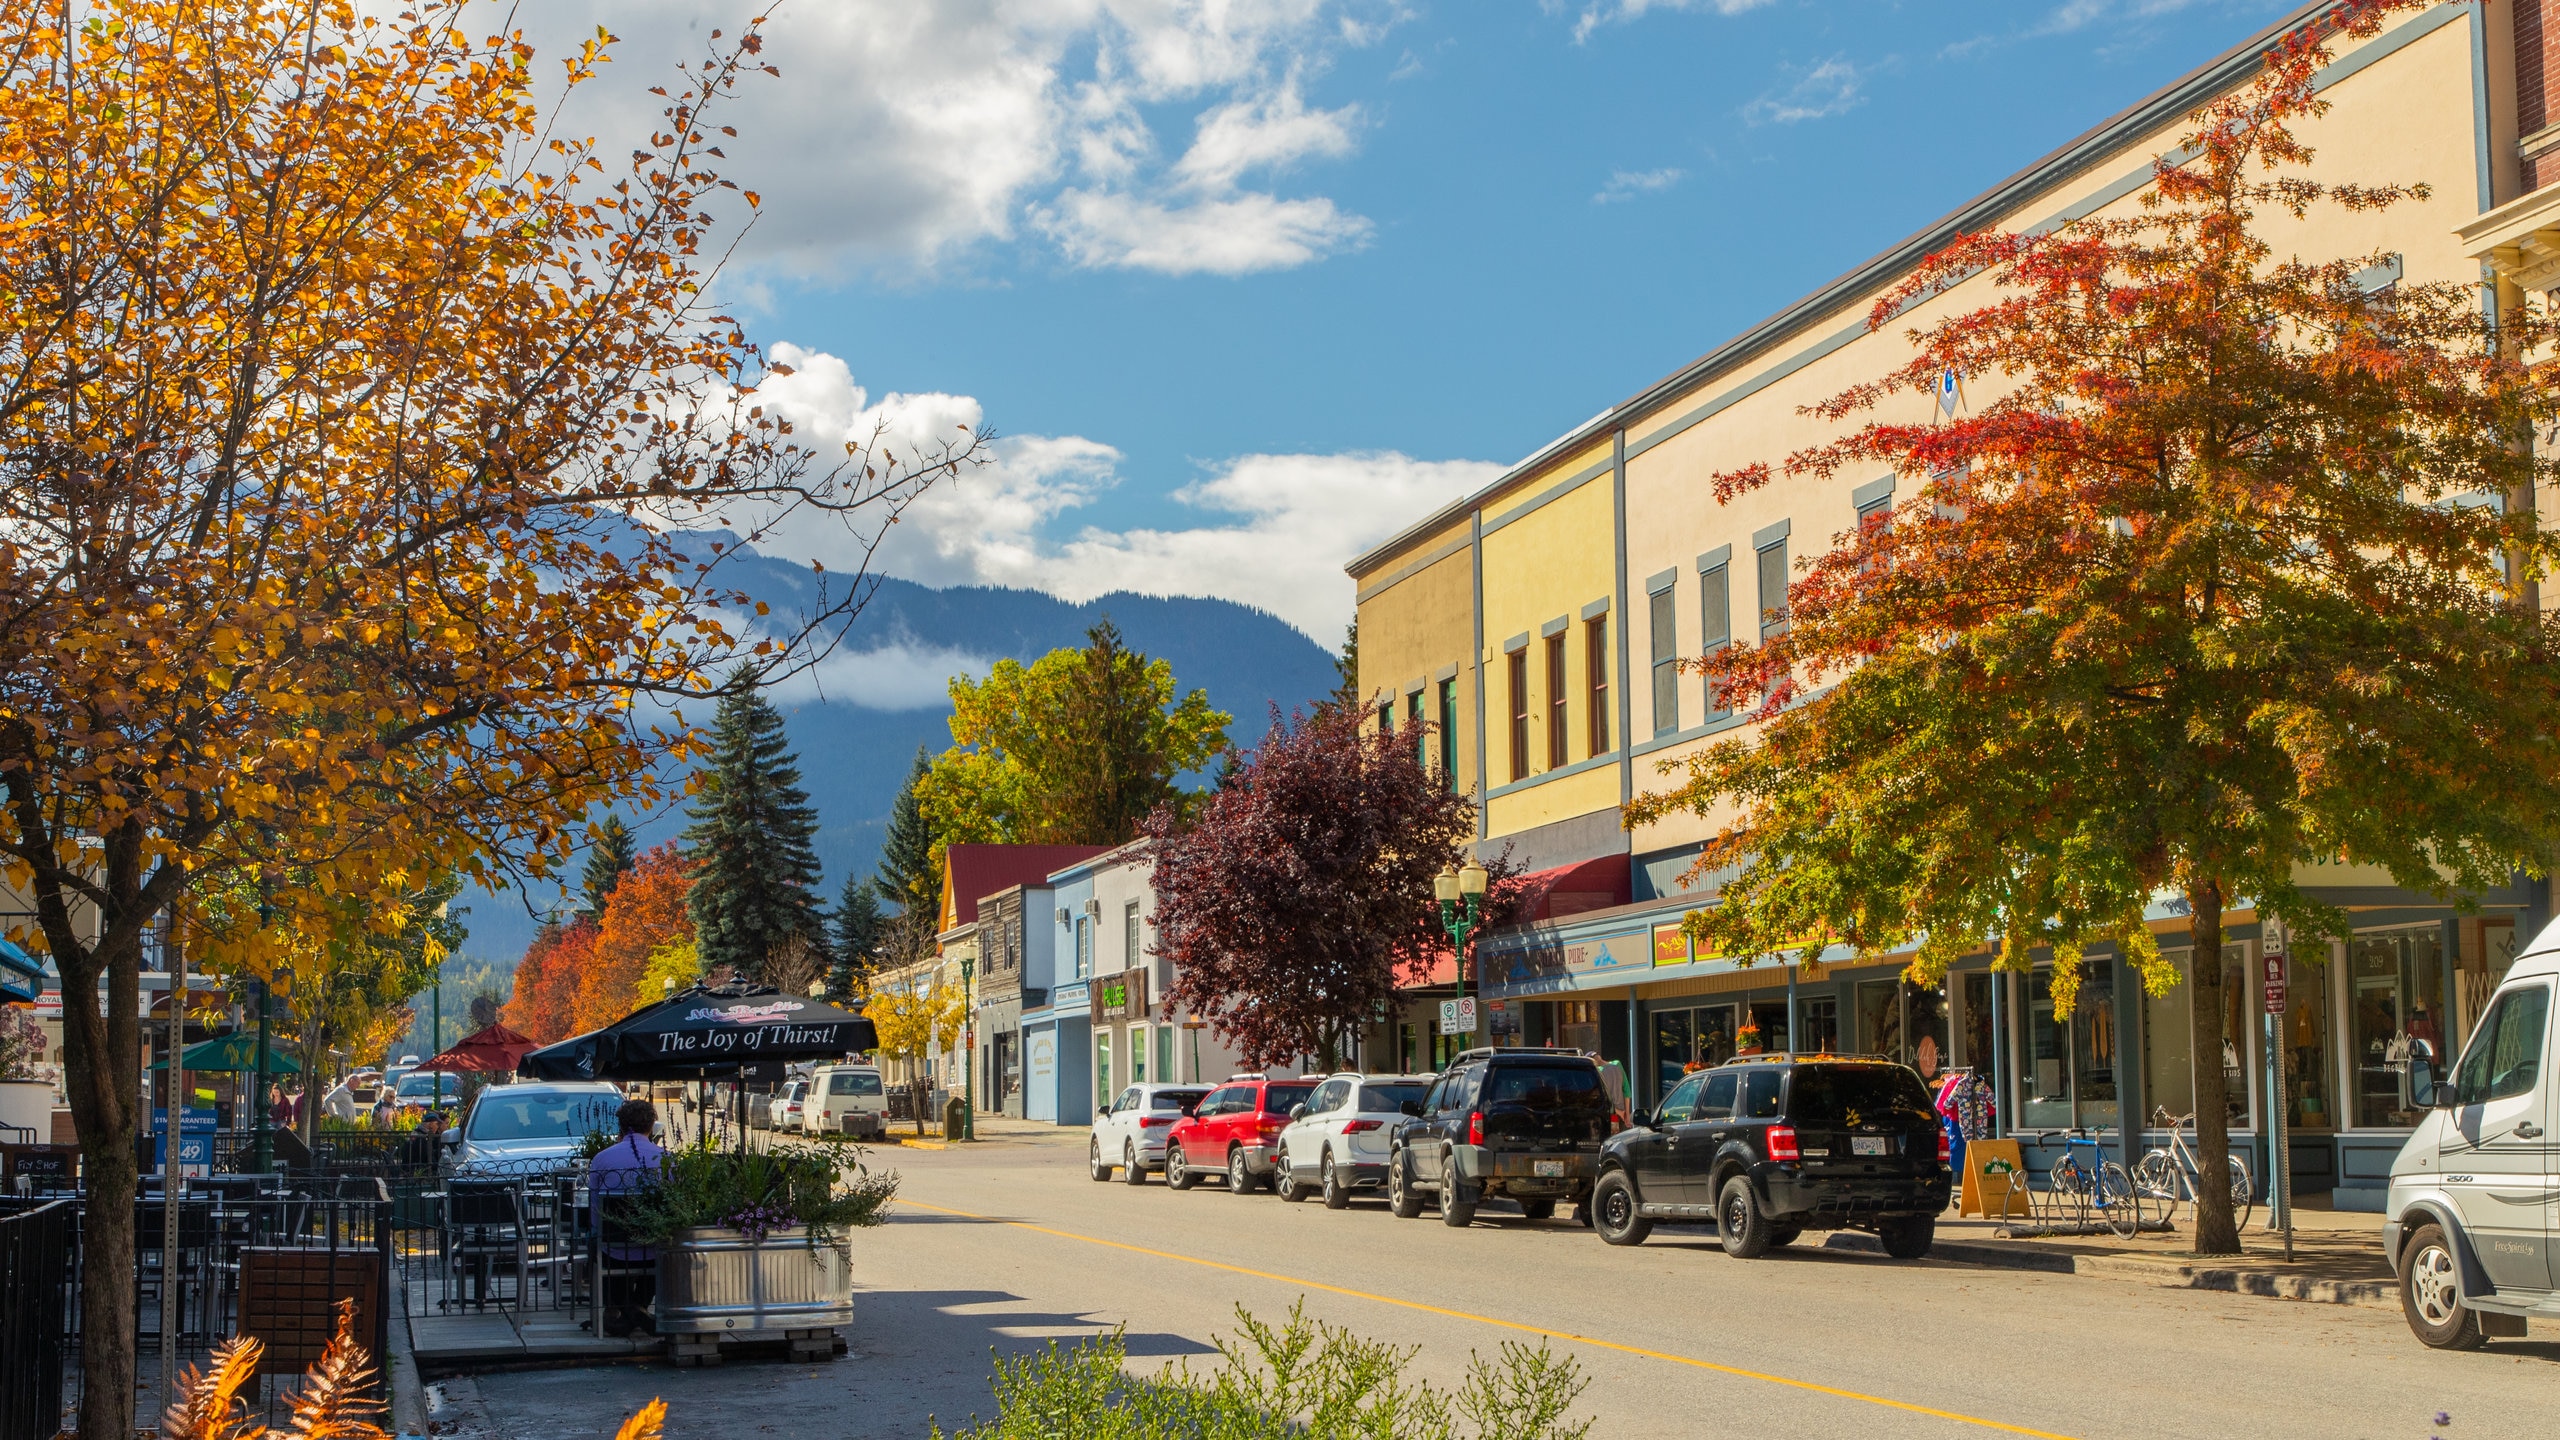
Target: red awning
(494, 1050)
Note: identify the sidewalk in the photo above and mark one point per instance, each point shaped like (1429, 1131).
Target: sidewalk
(2338, 1257)
(992, 1129)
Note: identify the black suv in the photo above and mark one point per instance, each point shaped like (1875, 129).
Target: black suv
(1527, 1124)
(1768, 1148)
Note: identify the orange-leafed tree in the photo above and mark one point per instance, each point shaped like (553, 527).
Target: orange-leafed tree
(544, 1003)
(353, 424)
(2200, 590)
(646, 910)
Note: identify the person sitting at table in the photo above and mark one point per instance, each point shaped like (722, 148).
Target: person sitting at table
(629, 1164)
(424, 1149)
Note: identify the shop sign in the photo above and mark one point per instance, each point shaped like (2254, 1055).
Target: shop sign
(1458, 1017)
(1618, 952)
(1537, 960)
(1044, 1055)
(1121, 997)
(1671, 945)
(2275, 983)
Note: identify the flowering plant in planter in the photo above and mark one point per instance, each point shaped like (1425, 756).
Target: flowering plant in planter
(757, 1194)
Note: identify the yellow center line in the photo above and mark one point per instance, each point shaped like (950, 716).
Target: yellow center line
(1733, 1370)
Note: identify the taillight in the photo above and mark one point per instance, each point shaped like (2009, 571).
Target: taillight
(1146, 1122)
(1356, 1126)
(1274, 1124)
(1782, 1145)
(1475, 1127)
(1946, 1152)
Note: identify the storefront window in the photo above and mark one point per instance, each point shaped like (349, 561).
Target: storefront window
(1671, 1041)
(1821, 1021)
(1904, 1022)
(2306, 1047)
(1101, 1070)
(2070, 1074)
(2096, 1046)
(1578, 1025)
(2395, 992)
(2168, 1072)
(1879, 1009)
(1976, 988)
(1164, 1052)
(1137, 1055)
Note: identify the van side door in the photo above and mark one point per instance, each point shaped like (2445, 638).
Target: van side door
(2498, 1151)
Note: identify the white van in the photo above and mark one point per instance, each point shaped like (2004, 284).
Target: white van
(2469, 1224)
(848, 1099)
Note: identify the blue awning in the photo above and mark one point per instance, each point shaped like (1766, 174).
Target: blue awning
(21, 977)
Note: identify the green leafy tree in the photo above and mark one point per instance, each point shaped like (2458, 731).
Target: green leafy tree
(755, 885)
(2186, 602)
(608, 858)
(858, 933)
(1076, 748)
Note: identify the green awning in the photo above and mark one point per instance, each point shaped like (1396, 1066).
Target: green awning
(235, 1053)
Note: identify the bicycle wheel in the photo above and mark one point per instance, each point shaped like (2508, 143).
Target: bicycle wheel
(2157, 1177)
(2243, 1194)
(2119, 1205)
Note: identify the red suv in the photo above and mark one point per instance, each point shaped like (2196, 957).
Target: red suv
(1233, 1128)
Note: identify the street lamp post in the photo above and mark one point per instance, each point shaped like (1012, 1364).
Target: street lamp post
(1461, 894)
(969, 1046)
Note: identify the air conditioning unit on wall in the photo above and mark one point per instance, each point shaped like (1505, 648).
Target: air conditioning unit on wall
(1066, 917)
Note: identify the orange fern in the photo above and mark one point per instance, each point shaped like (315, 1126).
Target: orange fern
(208, 1405)
(332, 1404)
(649, 1424)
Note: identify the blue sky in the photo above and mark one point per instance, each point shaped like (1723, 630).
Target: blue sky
(1251, 284)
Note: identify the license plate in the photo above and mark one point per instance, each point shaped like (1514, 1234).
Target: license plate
(1546, 1168)
(1866, 1145)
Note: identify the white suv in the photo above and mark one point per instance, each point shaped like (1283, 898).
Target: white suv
(1337, 1142)
(1129, 1137)
(2472, 1261)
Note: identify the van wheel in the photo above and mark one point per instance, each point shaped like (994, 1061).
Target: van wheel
(1614, 1214)
(1094, 1162)
(1401, 1196)
(1337, 1196)
(1907, 1239)
(2430, 1294)
(1177, 1169)
(1130, 1169)
(1740, 1224)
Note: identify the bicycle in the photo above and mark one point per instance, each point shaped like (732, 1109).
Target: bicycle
(2169, 1174)
(2096, 1185)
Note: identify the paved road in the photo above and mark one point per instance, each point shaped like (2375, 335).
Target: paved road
(1008, 1244)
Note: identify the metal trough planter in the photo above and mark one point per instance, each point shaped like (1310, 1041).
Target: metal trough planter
(716, 1281)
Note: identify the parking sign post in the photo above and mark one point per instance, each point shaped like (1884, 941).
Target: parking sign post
(2272, 944)
(1453, 885)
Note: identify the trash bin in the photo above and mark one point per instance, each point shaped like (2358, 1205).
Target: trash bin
(954, 1117)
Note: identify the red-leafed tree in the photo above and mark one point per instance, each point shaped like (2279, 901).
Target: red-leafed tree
(2195, 594)
(1303, 886)
(646, 910)
(544, 1003)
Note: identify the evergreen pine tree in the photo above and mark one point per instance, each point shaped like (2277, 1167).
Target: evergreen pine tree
(858, 926)
(908, 877)
(607, 860)
(756, 882)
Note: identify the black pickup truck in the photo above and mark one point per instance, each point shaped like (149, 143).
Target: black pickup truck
(1768, 1148)
(1524, 1124)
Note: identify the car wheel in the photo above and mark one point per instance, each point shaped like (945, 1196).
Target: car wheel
(1177, 1169)
(1239, 1178)
(1739, 1222)
(1457, 1197)
(2431, 1295)
(1094, 1162)
(1908, 1238)
(1538, 1209)
(1285, 1182)
(1614, 1214)
(1337, 1196)
(1402, 1198)
(1130, 1169)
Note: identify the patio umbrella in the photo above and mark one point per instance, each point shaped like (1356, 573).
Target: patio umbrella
(495, 1050)
(703, 1033)
(234, 1053)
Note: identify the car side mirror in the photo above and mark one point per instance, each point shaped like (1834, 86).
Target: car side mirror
(1412, 1108)
(2425, 1090)
(1297, 1112)
(1641, 1120)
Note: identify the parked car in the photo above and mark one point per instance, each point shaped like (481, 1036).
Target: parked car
(2467, 1220)
(1770, 1148)
(1524, 1124)
(1232, 1129)
(1338, 1141)
(783, 1111)
(535, 1125)
(1130, 1135)
(421, 1089)
(846, 1099)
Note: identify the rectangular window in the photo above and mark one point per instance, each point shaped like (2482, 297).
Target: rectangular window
(1421, 735)
(1595, 663)
(2168, 1045)
(1386, 717)
(1773, 590)
(2395, 986)
(1164, 1052)
(1715, 619)
(1084, 946)
(1449, 733)
(1138, 1054)
(1556, 756)
(1102, 1071)
(1519, 714)
(1666, 665)
(1130, 956)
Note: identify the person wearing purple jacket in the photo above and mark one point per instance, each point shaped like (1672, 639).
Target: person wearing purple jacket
(629, 1164)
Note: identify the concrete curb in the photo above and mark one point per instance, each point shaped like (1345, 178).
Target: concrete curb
(2370, 1294)
(408, 1393)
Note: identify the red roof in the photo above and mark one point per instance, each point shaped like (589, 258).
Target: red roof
(971, 873)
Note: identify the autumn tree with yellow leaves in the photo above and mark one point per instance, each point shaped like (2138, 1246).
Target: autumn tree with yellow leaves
(354, 422)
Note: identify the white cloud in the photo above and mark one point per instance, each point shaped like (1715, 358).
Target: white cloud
(1275, 530)
(904, 135)
(1827, 89)
(1233, 235)
(901, 675)
(1620, 12)
(1628, 184)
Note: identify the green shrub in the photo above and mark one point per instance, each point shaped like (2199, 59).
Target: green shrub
(1303, 1380)
(701, 1187)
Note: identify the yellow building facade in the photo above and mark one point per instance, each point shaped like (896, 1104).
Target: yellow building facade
(1574, 583)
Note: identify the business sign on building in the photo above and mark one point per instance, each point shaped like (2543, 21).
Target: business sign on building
(1671, 945)
(1119, 998)
(1618, 952)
